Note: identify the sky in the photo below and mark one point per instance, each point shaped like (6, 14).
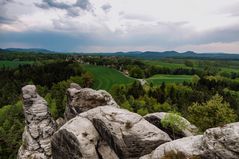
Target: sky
(120, 25)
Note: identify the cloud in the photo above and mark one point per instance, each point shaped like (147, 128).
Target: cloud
(73, 10)
(83, 4)
(106, 7)
(46, 4)
(4, 2)
(6, 20)
(140, 17)
(232, 10)
(108, 25)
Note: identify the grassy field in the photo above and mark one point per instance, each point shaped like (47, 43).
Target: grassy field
(105, 77)
(161, 63)
(158, 79)
(12, 64)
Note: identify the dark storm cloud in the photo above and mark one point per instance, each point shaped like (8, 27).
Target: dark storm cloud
(5, 20)
(72, 10)
(47, 4)
(84, 4)
(106, 7)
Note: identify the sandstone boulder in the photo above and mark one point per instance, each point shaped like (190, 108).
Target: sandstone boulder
(77, 139)
(215, 143)
(127, 133)
(222, 142)
(156, 118)
(39, 126)
(82, 99)
(184, 148)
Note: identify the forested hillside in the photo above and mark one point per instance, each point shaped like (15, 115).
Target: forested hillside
(206, 92)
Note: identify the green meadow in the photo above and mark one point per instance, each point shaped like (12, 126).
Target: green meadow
(12, 64)
(106, 77)
(158, 79)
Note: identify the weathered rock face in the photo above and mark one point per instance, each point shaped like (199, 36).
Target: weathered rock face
(182, 148)
(127, 133)
(215, 143)
(77, 139)
(105, 152)
(155, 119)
(222, 142)
(39, 126)
(82, 99)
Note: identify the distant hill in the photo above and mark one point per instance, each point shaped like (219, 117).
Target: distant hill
(140, 54)
(33, 50)
(174, 54)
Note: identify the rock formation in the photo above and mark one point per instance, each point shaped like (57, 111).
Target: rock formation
(156, 118)
(215, 143)
(96, 128)
(78, 138)
(127, 133)
(82, 99)
(39, 126)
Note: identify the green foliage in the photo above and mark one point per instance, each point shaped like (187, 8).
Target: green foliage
(87, 78)
(52, 105)
(188, 63)
(13, 64)
(174, 121)
(213, 113)
(136, 90)
(136, 72)
(11, 129)
(195, 79)
(160, 78)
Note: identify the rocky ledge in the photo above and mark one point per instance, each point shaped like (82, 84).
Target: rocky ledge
(95, 127)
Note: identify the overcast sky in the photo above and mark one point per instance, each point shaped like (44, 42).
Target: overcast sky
(121, 25)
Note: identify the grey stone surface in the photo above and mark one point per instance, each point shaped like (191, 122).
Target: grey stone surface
(39, 126)
(77, 139)
(82, 99)
(127, 133)
(215, 143)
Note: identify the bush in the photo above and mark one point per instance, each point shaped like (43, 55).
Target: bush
(213, 113)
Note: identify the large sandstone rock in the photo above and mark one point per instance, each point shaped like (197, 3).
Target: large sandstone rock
(82, 99)
(215, 143)
(39, 126)
(222, 142)
(127, 133)
(104, 151)
(156, 118)
(77, 139)
(184, 148)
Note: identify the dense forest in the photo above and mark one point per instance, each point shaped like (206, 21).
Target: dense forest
(210, 99)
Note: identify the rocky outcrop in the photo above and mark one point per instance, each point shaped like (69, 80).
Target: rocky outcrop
(127, 133)
(82, 99)
(39, 126)
(184, 148)
(222, 142)
(188, 130)
(98, 129)
(215, 143)
(78, 138)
